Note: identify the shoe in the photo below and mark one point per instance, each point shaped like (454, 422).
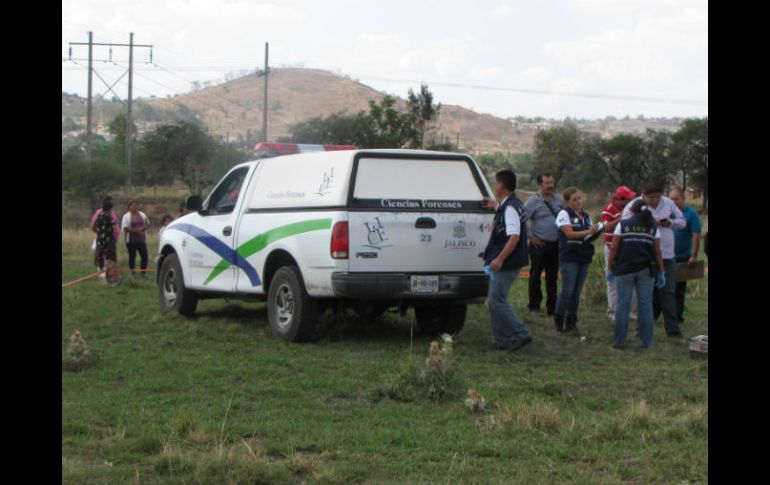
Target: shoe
(558, 321)
(517, 344)
(570, 324)
(618, 347)
(535, 311)
(632, 316)
(611, 316)
(675, 334)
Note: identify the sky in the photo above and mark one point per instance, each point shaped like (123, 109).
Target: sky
(552, 59)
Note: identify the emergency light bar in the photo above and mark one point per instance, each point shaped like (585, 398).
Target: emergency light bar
(263, 150)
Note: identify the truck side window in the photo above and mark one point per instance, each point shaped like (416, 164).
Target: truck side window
(225, 196)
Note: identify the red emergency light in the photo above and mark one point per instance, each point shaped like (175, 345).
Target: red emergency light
(278, 149)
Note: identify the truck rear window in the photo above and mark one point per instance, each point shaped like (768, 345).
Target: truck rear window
(416, 180)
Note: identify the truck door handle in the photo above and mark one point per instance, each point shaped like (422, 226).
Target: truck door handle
(227, 230)
(425, 223)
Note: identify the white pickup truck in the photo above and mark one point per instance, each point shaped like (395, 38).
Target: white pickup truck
(371, 229)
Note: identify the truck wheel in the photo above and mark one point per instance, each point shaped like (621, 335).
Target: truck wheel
(437, 319)
(172, 291)
(291, 311)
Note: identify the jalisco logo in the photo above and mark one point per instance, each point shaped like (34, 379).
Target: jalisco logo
(459, 230)
(237, 257)
(459, 242)
(376, 234)
(325, 187)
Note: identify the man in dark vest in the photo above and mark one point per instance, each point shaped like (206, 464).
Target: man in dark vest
(505, 255)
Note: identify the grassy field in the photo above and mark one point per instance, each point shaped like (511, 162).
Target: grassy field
(217, 399)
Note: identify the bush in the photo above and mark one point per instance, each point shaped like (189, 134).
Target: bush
(436, 380)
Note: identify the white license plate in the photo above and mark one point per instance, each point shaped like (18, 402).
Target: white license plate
(424, 284)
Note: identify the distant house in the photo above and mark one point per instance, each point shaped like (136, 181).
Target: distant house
(537, 125)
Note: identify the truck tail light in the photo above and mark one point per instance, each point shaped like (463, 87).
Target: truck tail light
(339, 246)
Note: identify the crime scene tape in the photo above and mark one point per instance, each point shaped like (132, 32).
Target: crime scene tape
(86, 278)
(523, 274)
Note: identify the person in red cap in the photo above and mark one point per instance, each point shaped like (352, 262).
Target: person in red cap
(610, 218)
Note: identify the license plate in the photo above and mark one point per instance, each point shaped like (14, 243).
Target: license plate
(424, 284)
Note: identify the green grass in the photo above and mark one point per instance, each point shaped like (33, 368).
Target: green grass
(218, 399)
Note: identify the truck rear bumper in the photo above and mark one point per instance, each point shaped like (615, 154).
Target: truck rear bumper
(397, 286)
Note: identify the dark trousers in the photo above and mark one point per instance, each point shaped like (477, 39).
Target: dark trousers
(681, 289)
(132, 250)
(664, 300)
(544, 258)
(679, 292)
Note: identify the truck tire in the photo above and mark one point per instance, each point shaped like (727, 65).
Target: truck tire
(292, 313)
(437, 319)
(172, 291)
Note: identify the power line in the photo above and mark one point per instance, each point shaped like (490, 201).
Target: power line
(537, 91)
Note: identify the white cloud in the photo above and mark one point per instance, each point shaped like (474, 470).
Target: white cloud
(655, 49)
(388, 55)
(501, 11)
(538, 74)
(633, 7)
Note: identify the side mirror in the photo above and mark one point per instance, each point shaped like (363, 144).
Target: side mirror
(194, 203)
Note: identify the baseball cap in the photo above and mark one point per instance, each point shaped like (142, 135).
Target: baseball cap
(624, 192)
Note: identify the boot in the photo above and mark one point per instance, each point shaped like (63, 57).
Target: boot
(558, 324)
(571, 324)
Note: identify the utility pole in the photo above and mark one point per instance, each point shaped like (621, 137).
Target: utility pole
(128, 117)
(264, 114)
(131, 46)
(89, 115)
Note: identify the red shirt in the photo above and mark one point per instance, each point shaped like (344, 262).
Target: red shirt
(610, 213)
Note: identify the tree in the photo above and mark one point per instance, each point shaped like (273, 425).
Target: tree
(182, 150)
(382, 127)
(391, 128)
(691, 151)
(658, 162)
(557, 150)
(635, 161)
(93, 179)
(623, 160)
(422, 111)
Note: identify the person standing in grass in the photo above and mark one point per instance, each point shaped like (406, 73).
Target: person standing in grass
(576, 250)
(610, 218)
(504, 256)
(104, 225)
(635, 247)
(167, 219)
(540, 213)
(667, 217)
(135, 224)
(686, 244)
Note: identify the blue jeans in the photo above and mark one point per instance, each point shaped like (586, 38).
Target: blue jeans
(626, 284)
(505, 324)
(573, 276)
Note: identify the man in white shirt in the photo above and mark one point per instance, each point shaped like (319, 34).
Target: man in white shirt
(504, 256)
(667, 217)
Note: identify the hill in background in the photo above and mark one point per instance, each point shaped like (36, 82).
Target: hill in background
(234, 109)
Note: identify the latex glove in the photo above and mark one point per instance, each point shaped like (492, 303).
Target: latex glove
(610, 277)
(660, 280)
(489, 272)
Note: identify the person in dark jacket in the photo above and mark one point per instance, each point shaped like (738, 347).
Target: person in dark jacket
(635, 247)
(576, 250)
(504, 256)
